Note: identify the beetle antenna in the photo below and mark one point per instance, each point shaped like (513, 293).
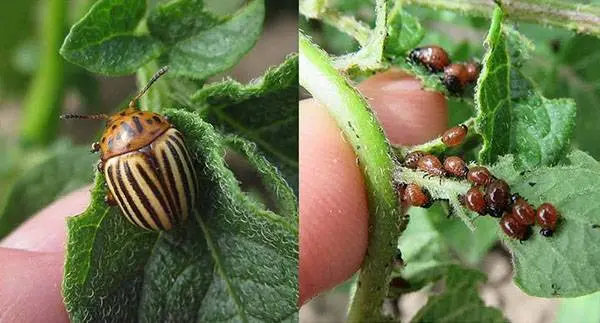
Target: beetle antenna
(86, 117)
(154, 78)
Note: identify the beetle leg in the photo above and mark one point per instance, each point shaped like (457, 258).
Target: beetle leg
(95, 147)
(109, 199)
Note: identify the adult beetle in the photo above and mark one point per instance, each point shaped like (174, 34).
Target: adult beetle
(147, 166)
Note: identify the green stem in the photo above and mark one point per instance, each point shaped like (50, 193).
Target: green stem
(43, 100)
(436, 146)
(362, 131)
(581, 18)
(345, 24)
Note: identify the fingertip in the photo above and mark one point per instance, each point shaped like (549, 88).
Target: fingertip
(408, 114)
(46, 231)
(333, 205)
(31, 287)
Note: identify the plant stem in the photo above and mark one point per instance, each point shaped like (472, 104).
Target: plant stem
(436, 146)
(346, 24)
(362, 131)
(43, 100)
(581, 18)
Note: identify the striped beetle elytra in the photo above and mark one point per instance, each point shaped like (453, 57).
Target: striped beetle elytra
(147, 166)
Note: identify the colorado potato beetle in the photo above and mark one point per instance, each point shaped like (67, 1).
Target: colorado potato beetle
(473, 69)
(412, 159)
(475, 201)
(497, 197)
(479, 175)
(431, 165)
(546, 217)
(455, 135)
(414, 195)
(523, 212)
(434, 58)
(456, 166)
(512, 228)
(148, 169)
(455, 78)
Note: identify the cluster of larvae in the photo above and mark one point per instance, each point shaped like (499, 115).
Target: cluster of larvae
(456, 75)
(487, 195)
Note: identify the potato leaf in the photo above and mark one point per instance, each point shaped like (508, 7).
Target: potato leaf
(199, 45)
(104, 40)
(233, 261)
(460, 301)
(512, 115)
(564, 264)
(264, 111)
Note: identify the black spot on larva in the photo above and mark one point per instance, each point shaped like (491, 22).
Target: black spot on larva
(103, 139)
(149, 121)
(532, 184)
(114, 127)
(122, 113)
(157, 119)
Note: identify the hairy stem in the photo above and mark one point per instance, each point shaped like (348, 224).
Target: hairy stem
(582, 18)
(42, 102)
(436, 146)
(362, 131)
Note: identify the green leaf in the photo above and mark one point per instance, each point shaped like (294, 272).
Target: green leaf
(565, 264)
(460, 301)
(213, 50)
(284, 200)
(178, 20)
(470, 246)
(264, 111)
(585, 309)
(424, 251)
(575, 72)
(232, 261)
(513, 117)
(104, 40)
(60, 173)
(404, 32)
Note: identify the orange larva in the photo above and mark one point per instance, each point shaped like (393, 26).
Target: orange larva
(456, 166)
(512, 228)
(523, 211)
(412, 159)
(455, 78)
(455, 135)
(497, 197)
(479, 175)
(431, 165)
(414, 195)
(475, 201)
(147, 166)
(473, 69)
(546, 217)
(434, 58)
